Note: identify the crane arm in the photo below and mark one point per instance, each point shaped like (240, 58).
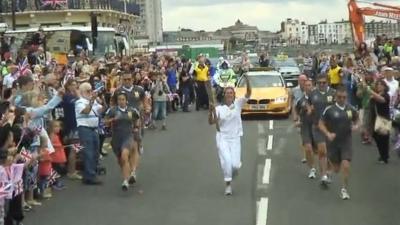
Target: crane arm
(356, 16)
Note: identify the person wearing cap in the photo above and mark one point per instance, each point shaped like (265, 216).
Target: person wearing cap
(296, 94)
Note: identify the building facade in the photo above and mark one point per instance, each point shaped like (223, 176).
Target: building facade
(375, 28)
(294, 32)
(150, 24)
(334, 33)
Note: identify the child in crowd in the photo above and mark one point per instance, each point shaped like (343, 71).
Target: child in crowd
(58, 157)
(44, 169)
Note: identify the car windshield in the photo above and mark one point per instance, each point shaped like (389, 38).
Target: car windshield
(285, 63)
(262, 81)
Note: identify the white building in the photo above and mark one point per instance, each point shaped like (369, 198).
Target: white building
(294, 32)
(334, 33)
(150, 23)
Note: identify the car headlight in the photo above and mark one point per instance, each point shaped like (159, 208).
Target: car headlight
(281, 99)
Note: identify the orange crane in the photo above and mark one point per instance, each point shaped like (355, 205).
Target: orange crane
(356, 15)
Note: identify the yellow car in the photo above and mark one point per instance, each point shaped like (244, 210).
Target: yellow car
(269, 94)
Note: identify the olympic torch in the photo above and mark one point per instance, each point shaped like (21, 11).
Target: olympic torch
(211, 98)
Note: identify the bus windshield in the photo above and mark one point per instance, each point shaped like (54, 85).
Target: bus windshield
(61, 41)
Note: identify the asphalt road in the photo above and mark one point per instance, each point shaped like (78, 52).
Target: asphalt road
(180, 183)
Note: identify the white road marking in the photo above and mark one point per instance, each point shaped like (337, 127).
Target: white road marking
(271, 124)
(267, 170)
(261, 143)
(269, 144)
(262, 212)
(261, 129)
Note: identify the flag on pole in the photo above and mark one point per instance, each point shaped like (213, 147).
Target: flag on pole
(23, 67)
(26, 155)
(77, 147)
(5, 189)
(70, 74)
(52, 178)
(17, 171)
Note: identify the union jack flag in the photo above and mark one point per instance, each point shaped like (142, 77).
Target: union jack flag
(18, 188)
(27, 156)
(70, 74)
(23, 67)
(5, 189)
(54, 3)
(77, 147)
(52, 178)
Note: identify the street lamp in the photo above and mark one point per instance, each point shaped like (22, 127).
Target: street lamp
(3, 29)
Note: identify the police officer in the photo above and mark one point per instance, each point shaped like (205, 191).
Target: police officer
(224, 78)
(337, 123)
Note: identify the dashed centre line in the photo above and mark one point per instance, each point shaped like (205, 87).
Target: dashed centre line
(262, 212)
(270, 142)
(267, 170)
(271, 124)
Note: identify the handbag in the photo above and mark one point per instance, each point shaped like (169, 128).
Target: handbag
(382, 125)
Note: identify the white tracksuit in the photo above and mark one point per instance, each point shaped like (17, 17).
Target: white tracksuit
(228, 138)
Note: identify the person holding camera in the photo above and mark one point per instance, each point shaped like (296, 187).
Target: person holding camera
(159, 92)
(87, 111)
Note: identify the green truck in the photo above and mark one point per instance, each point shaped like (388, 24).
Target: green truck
(193, 52)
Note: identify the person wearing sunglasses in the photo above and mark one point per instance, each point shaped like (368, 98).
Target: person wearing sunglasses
(337, 123)
(320, 98)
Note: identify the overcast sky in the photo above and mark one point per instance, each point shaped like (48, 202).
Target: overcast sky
(211, 15)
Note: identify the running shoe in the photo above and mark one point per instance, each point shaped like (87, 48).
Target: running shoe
(304, 160)
(132, 178)
(344, 194)
(26, 207)
(34, 203)
(125, 185)
(74, 176)
(312, 174)
(228, 190)
(325, 180)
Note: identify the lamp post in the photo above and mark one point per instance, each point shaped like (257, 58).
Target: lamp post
(3, 29)
(13, 17)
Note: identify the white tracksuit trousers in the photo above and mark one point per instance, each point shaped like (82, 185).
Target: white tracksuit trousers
(229, 153)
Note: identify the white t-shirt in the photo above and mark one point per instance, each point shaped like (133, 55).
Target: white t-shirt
(8, 80)
(393, 87)
(230, 121)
